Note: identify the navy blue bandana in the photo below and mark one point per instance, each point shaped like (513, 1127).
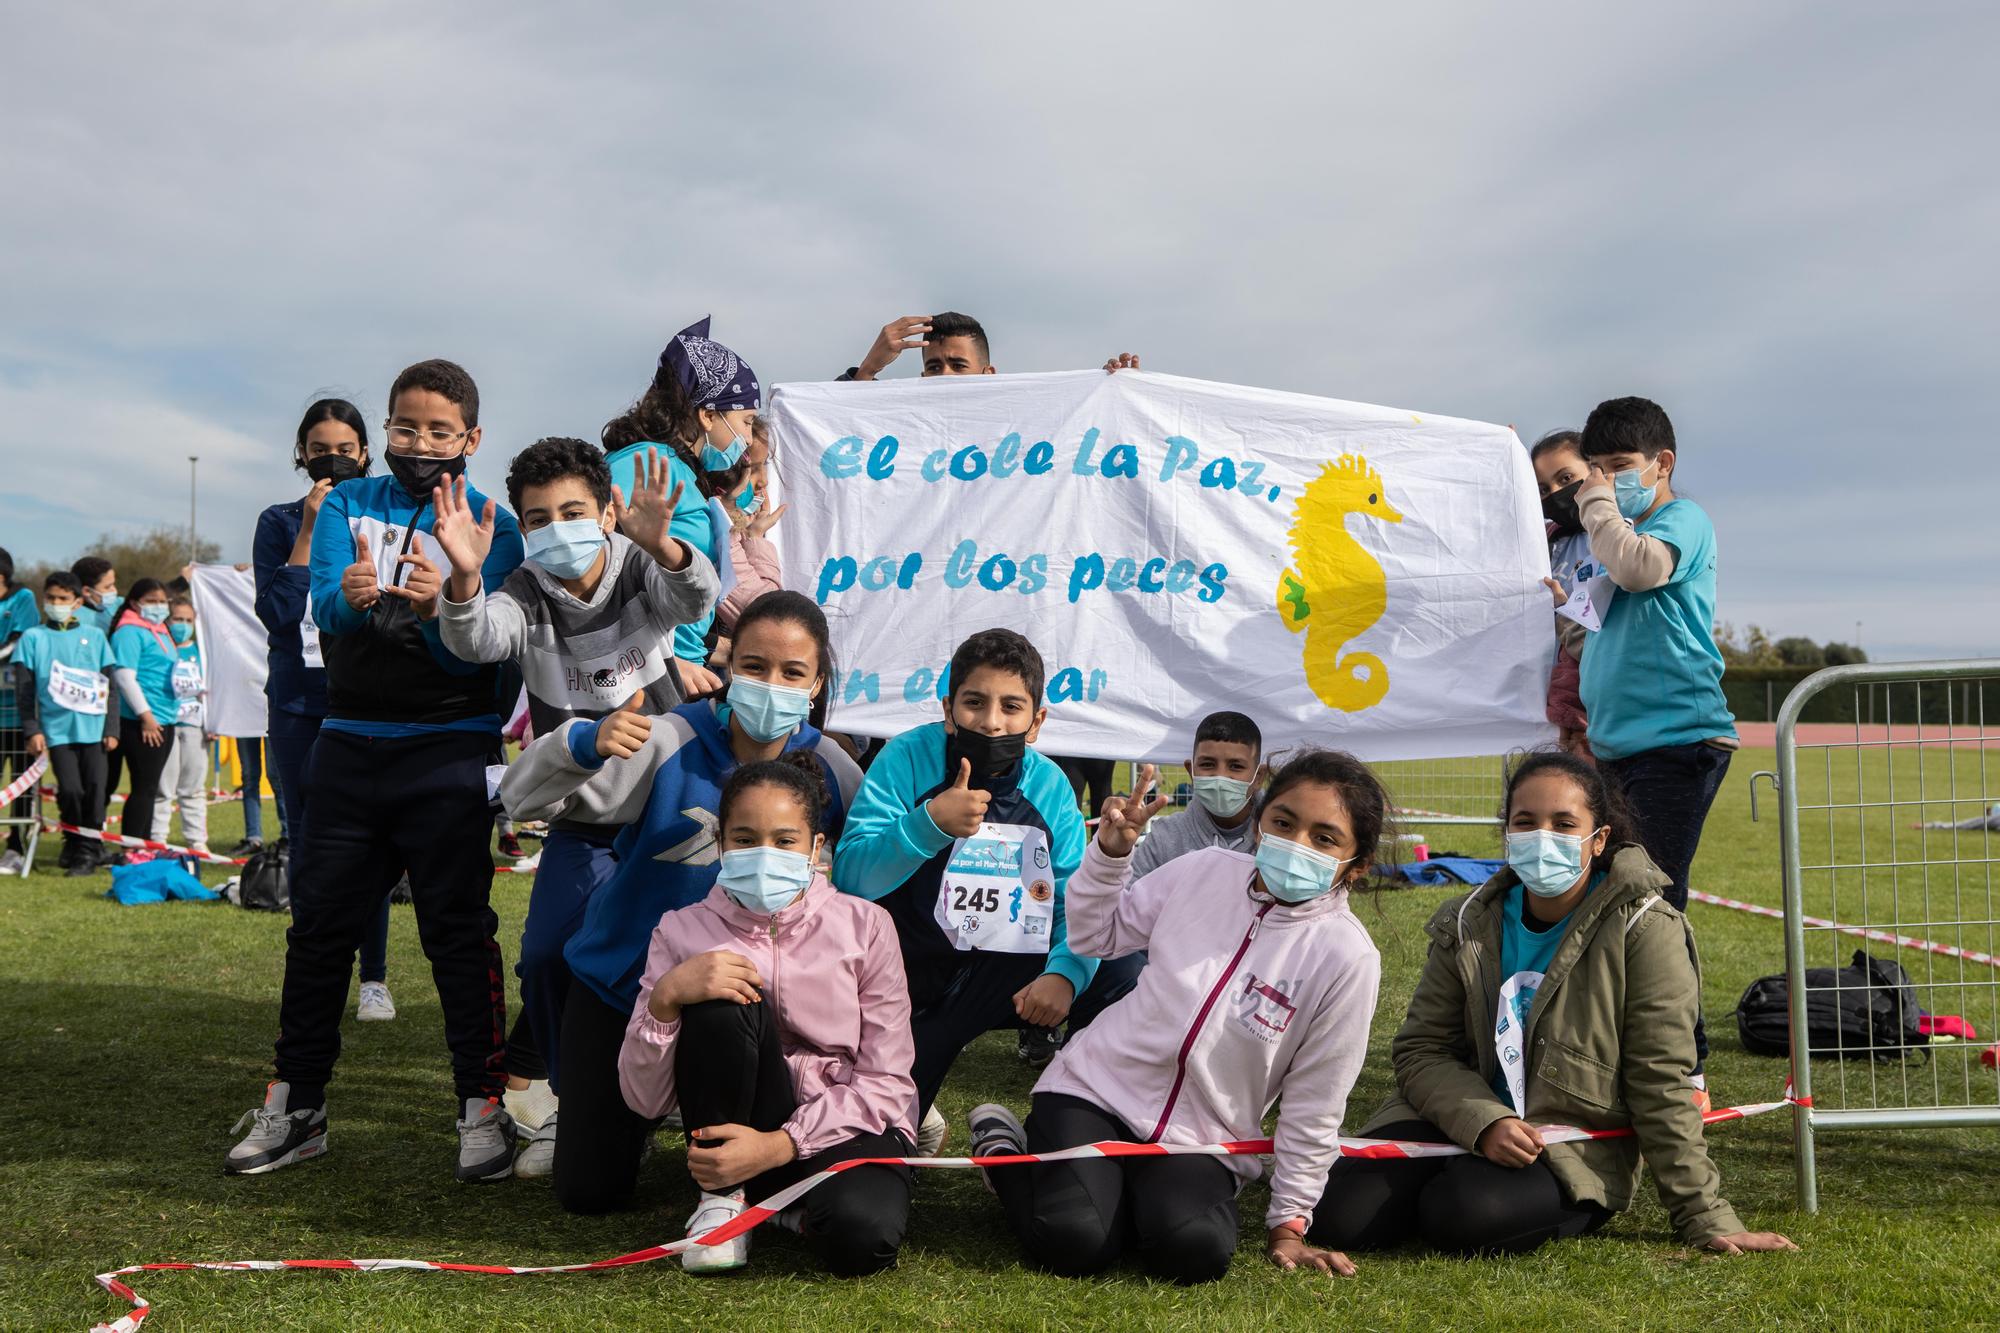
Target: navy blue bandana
(712, 376)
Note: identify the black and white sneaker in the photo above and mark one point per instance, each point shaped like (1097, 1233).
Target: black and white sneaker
(278, 1136)
(1037, 1046)
(486, 1139)
(996, 1132)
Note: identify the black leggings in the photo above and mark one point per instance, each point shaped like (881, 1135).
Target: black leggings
(729, 1070)
(599, 1139)
(146, 763)
(1076, 1218)
(1461, 1205)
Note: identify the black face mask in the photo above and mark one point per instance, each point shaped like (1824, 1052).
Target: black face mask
(420, 475)
(1559, 508)
(335, 468)
(996, 760)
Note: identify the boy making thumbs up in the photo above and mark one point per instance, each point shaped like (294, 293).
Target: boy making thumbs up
(968, 836)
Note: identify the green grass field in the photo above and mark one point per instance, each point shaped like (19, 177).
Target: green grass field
(132, 1038)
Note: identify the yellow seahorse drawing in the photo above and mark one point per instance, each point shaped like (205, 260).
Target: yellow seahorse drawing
(1336, 589)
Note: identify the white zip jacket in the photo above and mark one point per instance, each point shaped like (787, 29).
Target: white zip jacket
(1244, 1000)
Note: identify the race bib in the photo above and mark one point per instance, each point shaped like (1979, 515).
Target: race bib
(188, 690)
(78, 691)
(1510, 1022)
(998, 891)
(309, 640)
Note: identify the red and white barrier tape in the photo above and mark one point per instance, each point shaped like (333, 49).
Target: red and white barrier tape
(119, 797)
(26, 779)
(99, 835)
(1860, 932)
(763, 1211)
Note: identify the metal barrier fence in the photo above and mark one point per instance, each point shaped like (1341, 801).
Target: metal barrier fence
(20, 818)
(1432, 793)
(1892, 829)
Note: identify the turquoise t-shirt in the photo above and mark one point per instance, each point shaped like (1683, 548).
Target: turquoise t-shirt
(142, 651)
(18, 615)
(100, 618)
(1526, 949)
(1652, 676)
(692, 523)
(69, 666)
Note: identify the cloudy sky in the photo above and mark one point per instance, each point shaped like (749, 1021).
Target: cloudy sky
(1779, 220)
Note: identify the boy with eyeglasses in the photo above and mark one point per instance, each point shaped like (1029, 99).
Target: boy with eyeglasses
(397, 780)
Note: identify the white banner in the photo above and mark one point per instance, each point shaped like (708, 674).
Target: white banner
(1355, 576)
(234, 649)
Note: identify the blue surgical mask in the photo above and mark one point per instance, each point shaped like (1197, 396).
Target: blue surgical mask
(767, 711)
(748, 500)
(1549, 863)
(1222, 797)
(721, 460)
(182, 630)
(1293, 872)
(1634, 498)
(565, 549)
(155, 612)
(763, 879)
(62, 614)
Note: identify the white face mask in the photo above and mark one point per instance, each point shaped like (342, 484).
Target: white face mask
(1222, 797)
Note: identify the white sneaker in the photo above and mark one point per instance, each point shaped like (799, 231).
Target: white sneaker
(932, 1133)
(531, 1106)
(374, 1004)
(11, 862)
(538, 1150)
(710, 1213)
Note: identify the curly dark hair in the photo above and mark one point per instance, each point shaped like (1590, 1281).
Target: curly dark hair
(796, 771)
(556, 456)
(666, 416)
(447, 379)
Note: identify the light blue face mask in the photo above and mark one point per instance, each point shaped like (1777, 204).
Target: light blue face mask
(1220, 796)
(767, 711)
(565, 549)
(182, 630)
(764, 879)
(155, 612)
(748, 500)
(1634, 498)
(1549, 863)
(720, 460)
(1294, 873)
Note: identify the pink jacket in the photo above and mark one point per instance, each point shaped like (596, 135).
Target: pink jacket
(1244, 1000)
(757, 572)
(832, 968)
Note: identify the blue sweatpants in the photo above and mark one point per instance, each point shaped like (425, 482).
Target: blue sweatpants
(573, 867)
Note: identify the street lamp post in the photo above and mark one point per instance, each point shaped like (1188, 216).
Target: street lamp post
(193, 459)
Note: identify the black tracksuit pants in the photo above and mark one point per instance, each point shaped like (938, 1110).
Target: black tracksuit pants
(1177, 1214)
(1461, 1205)
(80, 795)
(380, 806)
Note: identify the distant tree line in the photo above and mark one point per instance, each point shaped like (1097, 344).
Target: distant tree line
(1755, 648)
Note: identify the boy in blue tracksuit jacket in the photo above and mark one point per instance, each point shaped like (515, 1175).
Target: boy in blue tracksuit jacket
(397, 780)
(968, 837)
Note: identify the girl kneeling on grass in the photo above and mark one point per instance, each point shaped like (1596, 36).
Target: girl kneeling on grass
(1564, 990)
(1261, 985)
(775, 1012)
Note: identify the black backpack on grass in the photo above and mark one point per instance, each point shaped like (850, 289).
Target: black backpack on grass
(263, 886)
(1873, 1014)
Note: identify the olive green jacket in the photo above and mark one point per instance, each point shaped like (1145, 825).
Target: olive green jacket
(1609, 1043)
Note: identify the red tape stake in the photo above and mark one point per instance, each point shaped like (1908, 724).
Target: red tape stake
(761, 1212)
(1861, 932)
(25, 780)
